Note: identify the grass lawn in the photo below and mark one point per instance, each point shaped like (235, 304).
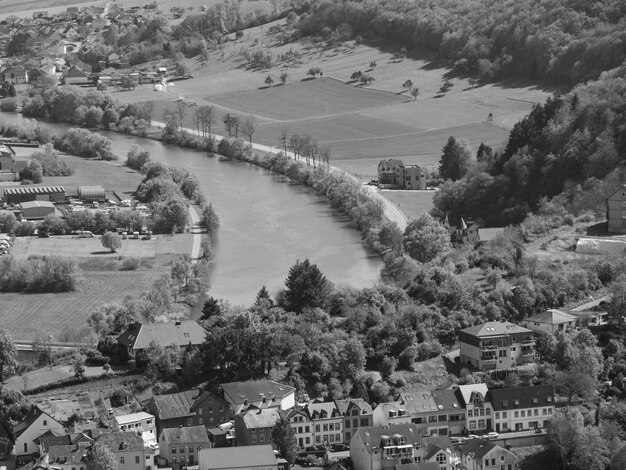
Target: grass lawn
(411, 203)
(46, 375)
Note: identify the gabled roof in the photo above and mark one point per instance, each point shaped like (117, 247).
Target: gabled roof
(32, 416)
(495, 328)
(322, 410)
(185, 435)
(49, 440)
(467, 390)
(348, 404)
(419, 401)
(552, 317)
(199, 400)
(260, 418)
(525, 397)
(181, 333)
(174, 405)
(122, 441)
(66, 455)
(372, 436)
(297, 411)
(396, 406)
(446, 400)
(479, 448)
(436, 444)
(237, 457)
(254, 390)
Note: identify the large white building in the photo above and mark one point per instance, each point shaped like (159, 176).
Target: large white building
(143, 424)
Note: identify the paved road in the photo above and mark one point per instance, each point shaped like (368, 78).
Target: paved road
(389, 209)
(196, 230)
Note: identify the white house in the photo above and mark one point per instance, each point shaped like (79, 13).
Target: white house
(393, 412)
(143, 424)
(551, 321)
(36, 423)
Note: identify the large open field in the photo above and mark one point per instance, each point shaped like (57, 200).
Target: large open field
(362, 125)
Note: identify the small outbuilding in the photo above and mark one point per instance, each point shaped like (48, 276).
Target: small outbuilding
(91, 193)
(37, 209)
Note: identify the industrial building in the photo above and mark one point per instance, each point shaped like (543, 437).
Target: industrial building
(22, 194)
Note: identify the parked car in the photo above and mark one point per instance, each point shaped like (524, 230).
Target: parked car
(492, 435)
(473, 436)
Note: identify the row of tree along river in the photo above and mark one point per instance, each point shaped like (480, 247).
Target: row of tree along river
(267, 222)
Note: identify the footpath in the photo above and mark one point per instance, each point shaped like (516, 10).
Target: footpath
(391, 212)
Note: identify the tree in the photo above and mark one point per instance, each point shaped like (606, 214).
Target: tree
(407, 85)
(356, 75)
(617, 306)
(366, 79)
(284, 138)
(112, 241)
(455, 160)
(283, 77)
(231, 124)
(204, 119)
(211, 308)
(78, 367)
(314, 72)
(8, 355)
(425, 239)
(415, 92)
(284, 438)
(101, 87)
(269, 81)
(446, 86)
(33, 172)
(249, 128)
(103, 457)
(591, 451)
(127, 83)
(564, 430)
(306, 286)
(373, 64)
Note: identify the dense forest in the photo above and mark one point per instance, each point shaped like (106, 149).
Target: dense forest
(567, 41)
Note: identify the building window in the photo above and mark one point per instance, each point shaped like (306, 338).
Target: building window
(535, 412)
(307, 440)
(523, 413)
(432, 419)
(443, 418)
(122, 460)
(173, 450)
(136, 459)
(173, 459)
(545, 411)
(254, 438)
(497, 415)
(200, 420)
(481, 423)
(469, 413)
(365, 422)
(307, 429)
(45, 422)
(199, 411)
(504, 415)
(261, 437)
(442, 458)
(472, 425)
(317, 439)
(517, 414)
(347, 423)
(317, 428)
(190, 450)
(325, 426)
(355, 423)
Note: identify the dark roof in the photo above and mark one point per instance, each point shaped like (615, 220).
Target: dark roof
(203, 396)
(67, 454)
(34, 413)
(237, 457)
(316, 409)
(447, 400)
(254, 390)
(49, 439)
(495, 328)
(185, 435)
(174, 405)
(122, 440)
(372, 436)
(477, 447)
(527, 397)
(436, 444)
(347, 404)
(138, 336)
(35, 190)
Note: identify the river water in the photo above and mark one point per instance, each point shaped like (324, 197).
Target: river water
(267, 223)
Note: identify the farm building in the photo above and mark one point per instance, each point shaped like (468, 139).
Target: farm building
(34, 193)
(37, 209)
(91, 193)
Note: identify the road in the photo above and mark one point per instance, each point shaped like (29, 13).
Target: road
(390, 211)
(196, 230)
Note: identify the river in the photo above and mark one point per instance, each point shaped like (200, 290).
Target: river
(267, 223)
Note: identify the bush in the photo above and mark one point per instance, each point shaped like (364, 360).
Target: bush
(130, 264)
(95, 358)
(8, 104)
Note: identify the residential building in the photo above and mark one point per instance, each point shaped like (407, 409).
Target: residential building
(461, 231)
(390, 413)
(211, 409)
(45, 442)
(592, 313)
(138, 336)
(412, 177)
(180, 446)
(142, 424)
(15, 74)
(327, 422)
(496, 345)
(389, 171)
(129, 450)
(76, 76)
(478, 411)
(616, 211)
(385, 447)
(238, 458)
(35, 424)
(254, 426)
(435, 413)
(441, 452)
(521, 408)
(67, 457)
(551, 321)
(480, 454)
(357, 413)
(258, 393)
(173, 410)
(302, 426)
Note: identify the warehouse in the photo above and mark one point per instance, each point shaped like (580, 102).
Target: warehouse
(36, 209)
(91, 193)
(34, 193)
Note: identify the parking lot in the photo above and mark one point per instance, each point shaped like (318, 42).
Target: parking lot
(74, 247)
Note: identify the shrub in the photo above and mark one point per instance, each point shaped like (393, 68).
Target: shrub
(130, 264)
(8, 104)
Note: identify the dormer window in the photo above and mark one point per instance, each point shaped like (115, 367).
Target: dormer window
(549, 399)
(535, 400)
(505, 403)
(516, 402)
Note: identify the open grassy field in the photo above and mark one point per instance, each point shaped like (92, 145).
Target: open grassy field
(411, 203)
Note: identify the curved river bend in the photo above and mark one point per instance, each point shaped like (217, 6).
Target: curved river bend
(267, 223)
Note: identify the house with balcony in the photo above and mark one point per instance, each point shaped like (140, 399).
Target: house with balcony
(478, 411)
(481, 454)
(521, 408)
(435, 413)
(393, 412)
(180, 446)
(142, 424)
(357, 413)
(496, 345)
(254, 426)
(385, 447)
(258, 394)
(327, 422)
(302, 426)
